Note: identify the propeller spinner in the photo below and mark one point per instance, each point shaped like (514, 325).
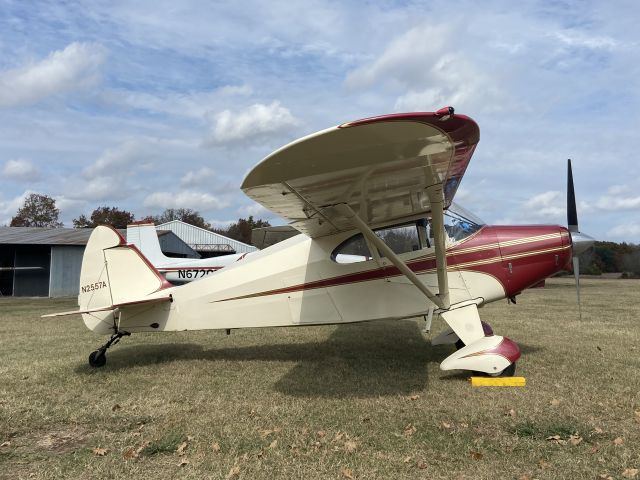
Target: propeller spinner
(580, 242)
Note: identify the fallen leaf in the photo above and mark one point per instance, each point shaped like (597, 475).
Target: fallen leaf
(605, 476)
(189, 438)
(524, 476)
(215, 447)
(409, 430)
(181, 448)
(350, 446)
(575, 440)
(347, 473)
(510, 413)
(407, 459)
(265, 433)
(637, 415)
(321, 433)
(116, 407)
(130, 454)
(100, 452)
(273, 444)
(594, 449)
(234, 472)
(555, 402)
(414, 397)
(476, 455)
(598, 431)
(618, 441)
(5, 444)
(446, 426)
(557, 439)
(463, 425)
(183, 462)
(422, 464)
(544, 465)
(630, 473)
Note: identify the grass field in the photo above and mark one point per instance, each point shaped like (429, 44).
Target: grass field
(358, 401)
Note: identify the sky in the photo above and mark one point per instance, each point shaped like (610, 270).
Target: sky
(160, 104)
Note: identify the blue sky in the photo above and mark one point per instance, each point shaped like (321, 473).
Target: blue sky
(154, 104)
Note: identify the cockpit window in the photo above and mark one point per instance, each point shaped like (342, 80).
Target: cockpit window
(400, 239)
(408, 237)
(352, 250)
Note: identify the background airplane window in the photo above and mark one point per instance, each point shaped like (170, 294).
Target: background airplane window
(353, 250)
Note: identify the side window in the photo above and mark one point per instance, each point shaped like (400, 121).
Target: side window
(352, 250)
(400, 239)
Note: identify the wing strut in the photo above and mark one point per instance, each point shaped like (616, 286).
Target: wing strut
(346, 211)
(436, 199)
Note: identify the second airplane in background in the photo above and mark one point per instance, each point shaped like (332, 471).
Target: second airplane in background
(177, 270)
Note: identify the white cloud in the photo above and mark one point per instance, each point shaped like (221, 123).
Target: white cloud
(185, 104)
(20, 170)
(193, 178)
(256, 121)
(255, 210)
(432, 72)
(8, 208)
(618, 203)
(581, 39)
(194, 200)
(62, 71)
(113, 159)
(548, 205)
(628, 231)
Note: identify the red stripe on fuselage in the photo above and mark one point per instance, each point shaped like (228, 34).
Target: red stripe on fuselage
(480, 253)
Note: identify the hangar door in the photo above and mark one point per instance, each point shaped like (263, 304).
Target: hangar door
(33, 281)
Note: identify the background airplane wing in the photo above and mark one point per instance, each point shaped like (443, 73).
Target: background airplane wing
(379, 166)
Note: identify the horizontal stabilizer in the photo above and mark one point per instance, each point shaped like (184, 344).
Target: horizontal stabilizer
(167, 298)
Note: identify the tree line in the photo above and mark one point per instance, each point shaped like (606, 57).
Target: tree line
(41, 211)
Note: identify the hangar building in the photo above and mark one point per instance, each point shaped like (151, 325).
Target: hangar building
(45, 262)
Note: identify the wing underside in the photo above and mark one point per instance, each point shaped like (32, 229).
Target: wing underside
(380, 167)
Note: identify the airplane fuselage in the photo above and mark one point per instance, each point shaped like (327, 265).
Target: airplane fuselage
(298, 282)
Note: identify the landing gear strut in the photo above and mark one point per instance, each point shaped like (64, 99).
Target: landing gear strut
(98, 358)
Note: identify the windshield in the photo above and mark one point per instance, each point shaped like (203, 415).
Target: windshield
(460, 222)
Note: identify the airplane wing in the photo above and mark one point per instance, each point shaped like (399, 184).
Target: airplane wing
(380, 167)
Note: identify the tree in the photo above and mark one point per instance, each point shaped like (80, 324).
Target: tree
(37, 211)
(105, 216)
(241, 230)
(186, 215)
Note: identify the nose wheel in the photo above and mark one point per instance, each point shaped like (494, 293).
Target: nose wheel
(98, 358)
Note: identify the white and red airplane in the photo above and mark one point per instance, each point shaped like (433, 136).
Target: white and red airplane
(377, 191)
(177, 270)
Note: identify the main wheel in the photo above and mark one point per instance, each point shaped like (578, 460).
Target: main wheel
(97, 359)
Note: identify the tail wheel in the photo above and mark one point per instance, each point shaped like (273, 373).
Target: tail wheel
(97, 359)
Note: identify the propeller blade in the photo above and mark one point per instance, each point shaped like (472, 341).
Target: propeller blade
(576, 274)
(572, 213)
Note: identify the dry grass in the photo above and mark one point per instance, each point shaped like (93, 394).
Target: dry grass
(366, 401)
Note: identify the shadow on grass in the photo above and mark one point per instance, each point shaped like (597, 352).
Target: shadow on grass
(358, 360)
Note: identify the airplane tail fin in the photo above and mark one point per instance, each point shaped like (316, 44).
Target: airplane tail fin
(114, 275)
(145, 237)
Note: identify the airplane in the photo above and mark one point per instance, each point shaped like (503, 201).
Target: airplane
(379, 190)
(176, 270)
